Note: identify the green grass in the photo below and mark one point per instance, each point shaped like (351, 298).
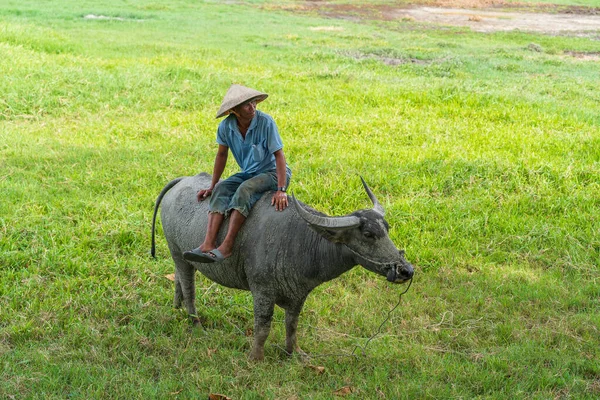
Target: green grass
(485, 153)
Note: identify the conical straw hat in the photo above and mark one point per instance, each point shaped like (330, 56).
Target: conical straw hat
(236, 95)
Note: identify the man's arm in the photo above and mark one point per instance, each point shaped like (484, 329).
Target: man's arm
(220, 163)
(219, 167)
(280, 200)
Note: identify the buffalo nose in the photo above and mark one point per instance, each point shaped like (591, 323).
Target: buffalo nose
(400, 272)
(405, 269)
(407, 272)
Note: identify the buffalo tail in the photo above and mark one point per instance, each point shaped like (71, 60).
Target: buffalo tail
(156, 205)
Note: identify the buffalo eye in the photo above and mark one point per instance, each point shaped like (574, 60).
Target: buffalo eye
(369, 235)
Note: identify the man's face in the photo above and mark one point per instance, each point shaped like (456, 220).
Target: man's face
(246, 110)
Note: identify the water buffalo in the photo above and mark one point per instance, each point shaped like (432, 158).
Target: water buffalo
(279, 256)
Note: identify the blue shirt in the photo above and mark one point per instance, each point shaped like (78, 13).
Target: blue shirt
(254, 153)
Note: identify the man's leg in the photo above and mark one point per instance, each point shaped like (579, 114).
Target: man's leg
(215, 219)
(247, 194)
(236, 220)
(218, 206)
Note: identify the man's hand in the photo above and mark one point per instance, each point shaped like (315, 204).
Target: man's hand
(279, 200)
(203, 194)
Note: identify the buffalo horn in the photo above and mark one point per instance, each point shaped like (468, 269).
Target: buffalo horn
(376, 205)
(332, 223)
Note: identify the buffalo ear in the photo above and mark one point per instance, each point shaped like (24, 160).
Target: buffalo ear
(338, 235)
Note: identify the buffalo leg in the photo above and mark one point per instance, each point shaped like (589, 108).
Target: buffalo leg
(263, 315)
(185, 286)
(292, 315)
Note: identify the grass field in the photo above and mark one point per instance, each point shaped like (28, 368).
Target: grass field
(483, 148)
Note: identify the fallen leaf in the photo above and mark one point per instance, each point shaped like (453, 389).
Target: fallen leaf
(170, 277)
(214, 396)
(345, 391)
(319, 370)
(249, 332)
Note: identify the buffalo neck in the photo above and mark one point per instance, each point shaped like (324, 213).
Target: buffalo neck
(335, 259)
(322, 260)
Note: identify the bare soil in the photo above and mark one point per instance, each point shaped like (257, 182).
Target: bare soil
(478, 15)
(483, 20)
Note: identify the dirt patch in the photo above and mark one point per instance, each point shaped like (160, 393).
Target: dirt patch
(585, 55)
(108, 18)
(382, 9)
(388, 60)
(478, 15)
(327, 28)
(481, 20)
(521, 7)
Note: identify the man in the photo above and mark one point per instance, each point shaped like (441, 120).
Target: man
(254, 141)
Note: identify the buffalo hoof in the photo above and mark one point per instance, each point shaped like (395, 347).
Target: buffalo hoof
(257, 355)
(196, 322)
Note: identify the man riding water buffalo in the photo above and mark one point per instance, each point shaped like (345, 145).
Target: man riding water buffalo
(254, 141)
(281, 254)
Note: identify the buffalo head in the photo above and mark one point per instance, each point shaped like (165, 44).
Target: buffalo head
(365, 234)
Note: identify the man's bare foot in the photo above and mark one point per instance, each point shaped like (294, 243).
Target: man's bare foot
(205, 248)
